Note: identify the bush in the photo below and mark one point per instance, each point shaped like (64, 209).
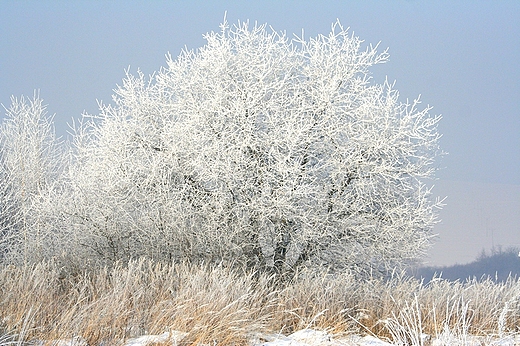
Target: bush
(31, 164)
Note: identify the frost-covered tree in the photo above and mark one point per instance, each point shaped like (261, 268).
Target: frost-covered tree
(8, 214)
(261, 150)
(30, 163)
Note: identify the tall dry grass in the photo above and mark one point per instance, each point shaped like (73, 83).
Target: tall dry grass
(215, 304)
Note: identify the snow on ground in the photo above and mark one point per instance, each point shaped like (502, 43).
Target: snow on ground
(311, 337)
(174, 337)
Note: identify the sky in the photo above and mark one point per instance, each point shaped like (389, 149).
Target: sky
(462, 57)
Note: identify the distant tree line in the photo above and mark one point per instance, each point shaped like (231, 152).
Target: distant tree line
(498, 265)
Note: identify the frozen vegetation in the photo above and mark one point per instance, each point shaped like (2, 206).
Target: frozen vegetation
(255, 150)
(259, 190)
(211, 304)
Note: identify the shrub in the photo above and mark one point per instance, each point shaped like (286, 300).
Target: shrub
(31, 162)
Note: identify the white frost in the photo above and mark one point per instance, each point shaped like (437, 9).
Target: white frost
(174, 337)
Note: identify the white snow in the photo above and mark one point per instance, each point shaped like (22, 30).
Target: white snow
(174, 337)
(311, 337)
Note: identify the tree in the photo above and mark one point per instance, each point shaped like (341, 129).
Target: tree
(260, 150)
(30, 163)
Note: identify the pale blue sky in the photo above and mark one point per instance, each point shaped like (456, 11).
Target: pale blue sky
(463, 57)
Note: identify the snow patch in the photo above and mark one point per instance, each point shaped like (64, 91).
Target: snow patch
(310, 337)
(174, 337)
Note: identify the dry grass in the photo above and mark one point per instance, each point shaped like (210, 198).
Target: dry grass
(219, 305)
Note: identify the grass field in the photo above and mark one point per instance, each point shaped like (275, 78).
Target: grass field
(216, 305)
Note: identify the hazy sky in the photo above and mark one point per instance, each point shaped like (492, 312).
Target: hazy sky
(463, 57)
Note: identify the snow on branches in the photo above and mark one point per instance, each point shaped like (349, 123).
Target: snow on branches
(260, 150)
